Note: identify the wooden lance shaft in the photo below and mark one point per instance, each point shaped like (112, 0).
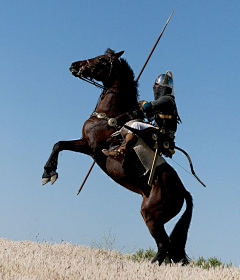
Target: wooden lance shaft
(139, 75)
(89, 171)
(159, 37)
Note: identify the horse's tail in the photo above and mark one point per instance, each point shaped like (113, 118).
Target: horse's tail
(179, 234)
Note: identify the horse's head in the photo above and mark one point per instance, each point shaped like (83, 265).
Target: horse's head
(115, 74)
(99, 68)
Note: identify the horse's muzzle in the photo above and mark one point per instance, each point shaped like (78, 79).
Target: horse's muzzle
(74, 69)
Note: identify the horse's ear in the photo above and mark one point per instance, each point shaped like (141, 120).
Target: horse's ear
(119, 54)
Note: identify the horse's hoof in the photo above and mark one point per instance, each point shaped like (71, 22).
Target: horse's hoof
(45, 181)
(160, 256)
(54, 178)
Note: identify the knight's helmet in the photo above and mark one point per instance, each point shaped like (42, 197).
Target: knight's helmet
(166, 80)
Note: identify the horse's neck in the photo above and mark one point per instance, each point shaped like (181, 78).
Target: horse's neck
(109, 103)
(115, 100)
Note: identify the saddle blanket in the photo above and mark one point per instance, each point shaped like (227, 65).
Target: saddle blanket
(146, 155)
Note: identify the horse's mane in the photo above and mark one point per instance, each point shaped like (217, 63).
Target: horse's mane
(127, 75)
(127, 84)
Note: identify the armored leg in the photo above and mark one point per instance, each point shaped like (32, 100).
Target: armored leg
(129, 141)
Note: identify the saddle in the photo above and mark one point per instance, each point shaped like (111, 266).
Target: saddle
(139, 159)
(150, 135)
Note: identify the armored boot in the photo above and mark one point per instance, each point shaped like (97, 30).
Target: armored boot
(129, 141)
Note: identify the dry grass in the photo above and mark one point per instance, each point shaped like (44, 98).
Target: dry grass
(25, 260)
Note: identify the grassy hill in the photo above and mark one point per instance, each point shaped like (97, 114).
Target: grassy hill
(25, 260)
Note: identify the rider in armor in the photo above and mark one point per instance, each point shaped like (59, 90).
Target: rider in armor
(163, 110)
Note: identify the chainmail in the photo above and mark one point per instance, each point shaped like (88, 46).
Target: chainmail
(164, 103)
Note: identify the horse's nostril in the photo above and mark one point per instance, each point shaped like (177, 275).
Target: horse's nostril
(74, 64)
(73, 70)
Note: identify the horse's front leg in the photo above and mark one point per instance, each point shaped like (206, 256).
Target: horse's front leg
(50, 174)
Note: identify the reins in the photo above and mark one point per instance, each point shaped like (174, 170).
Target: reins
(91, 81)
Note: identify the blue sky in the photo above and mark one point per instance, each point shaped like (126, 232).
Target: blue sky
(42, 103)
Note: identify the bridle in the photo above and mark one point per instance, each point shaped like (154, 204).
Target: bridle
(91, 81)
(111, 121)
(92, 68)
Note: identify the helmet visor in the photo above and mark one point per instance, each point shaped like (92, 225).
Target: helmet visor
(165, 80)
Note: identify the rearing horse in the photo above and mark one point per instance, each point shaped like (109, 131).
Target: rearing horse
(119, 101)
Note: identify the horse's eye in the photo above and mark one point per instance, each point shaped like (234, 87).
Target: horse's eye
(103, 59)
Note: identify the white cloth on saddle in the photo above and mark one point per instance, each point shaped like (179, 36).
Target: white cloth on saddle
(137, 124)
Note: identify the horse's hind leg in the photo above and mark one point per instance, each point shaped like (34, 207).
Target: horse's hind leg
(152, 211)
(159, 234)
(163, 244)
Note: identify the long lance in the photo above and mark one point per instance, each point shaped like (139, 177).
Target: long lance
(139, 75)
(159, 37)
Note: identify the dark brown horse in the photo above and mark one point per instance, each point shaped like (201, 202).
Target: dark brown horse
(119, 100)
